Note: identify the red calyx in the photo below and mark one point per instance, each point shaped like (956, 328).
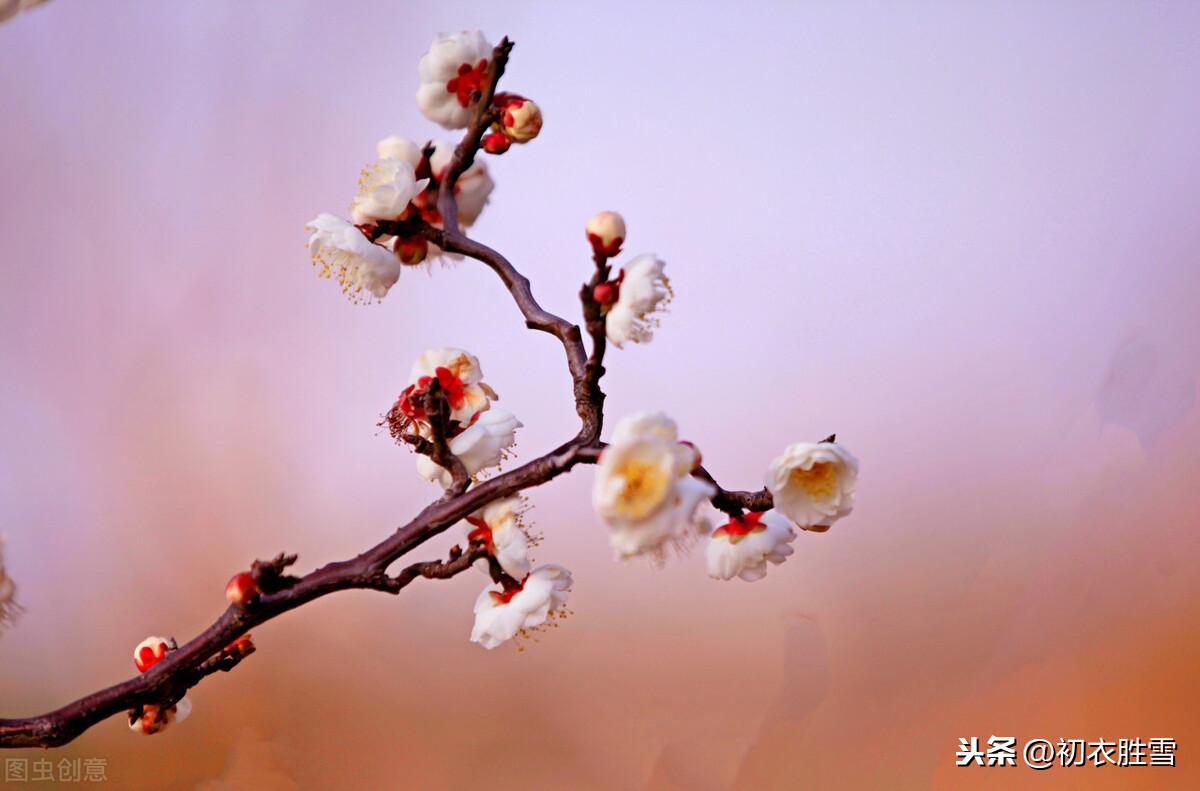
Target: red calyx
(607, 250)
(510, 589)
(468, 82)
(738, 527)
(481, 534)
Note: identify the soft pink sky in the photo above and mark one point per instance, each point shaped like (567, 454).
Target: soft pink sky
(962, 237)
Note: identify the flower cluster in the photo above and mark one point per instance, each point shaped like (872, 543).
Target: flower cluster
(478, 434)
(152, 718)
(397, 199)
(632, 300)
(649, 489)
(812, 486)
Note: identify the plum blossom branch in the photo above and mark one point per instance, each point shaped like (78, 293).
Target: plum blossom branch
(648, 485)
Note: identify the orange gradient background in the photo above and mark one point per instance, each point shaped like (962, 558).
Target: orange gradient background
(963, 238)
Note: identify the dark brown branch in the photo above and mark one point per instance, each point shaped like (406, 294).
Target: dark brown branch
(735, 502)
(437, 410)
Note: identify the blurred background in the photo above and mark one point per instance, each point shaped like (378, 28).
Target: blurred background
(962, 236)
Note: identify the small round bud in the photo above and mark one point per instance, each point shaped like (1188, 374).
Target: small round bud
(240, 648)
(412, 250)
(520, 119)
(242, 589)
(698, 460)
(455, 552)
(150, 651)
(606, 232)
(496, 142)
(605, 293)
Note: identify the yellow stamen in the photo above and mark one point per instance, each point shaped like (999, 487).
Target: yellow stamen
(819, 482)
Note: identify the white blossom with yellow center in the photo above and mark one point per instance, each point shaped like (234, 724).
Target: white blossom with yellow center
(813, 483)
(340, 251)
(644, 491)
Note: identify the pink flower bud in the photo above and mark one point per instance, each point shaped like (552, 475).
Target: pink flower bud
(150, 651)
(413, 250)
(520, 119)
(240, 648)
(605, 293)
(242, 589)
(606, 232)
(496, 143)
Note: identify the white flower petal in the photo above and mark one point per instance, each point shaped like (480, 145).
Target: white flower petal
(813, 483)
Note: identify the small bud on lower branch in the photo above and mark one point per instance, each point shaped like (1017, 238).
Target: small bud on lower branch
(496, 143)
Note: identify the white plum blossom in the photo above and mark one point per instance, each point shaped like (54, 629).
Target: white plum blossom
(742, 547)
(340, 251)
(501, 615)
(461, 379)
(452, 73)
(481, 445)
(385, 190)
(498, 525)
(644, 491)
(472, 190)
(813, 483)
(643, 291)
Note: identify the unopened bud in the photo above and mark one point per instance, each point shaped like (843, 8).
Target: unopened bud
(412, 250)
(496, 142)
(154, 717)
(242, 589)
(606, 232)
(455, 552)
(150, 651)
(520, 118)
(240, 648)
(605, 293)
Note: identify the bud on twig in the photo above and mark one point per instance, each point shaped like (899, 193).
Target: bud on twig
(496, 143)
(520, 119)
(242, 590)
(412, 250)
(606, 232)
